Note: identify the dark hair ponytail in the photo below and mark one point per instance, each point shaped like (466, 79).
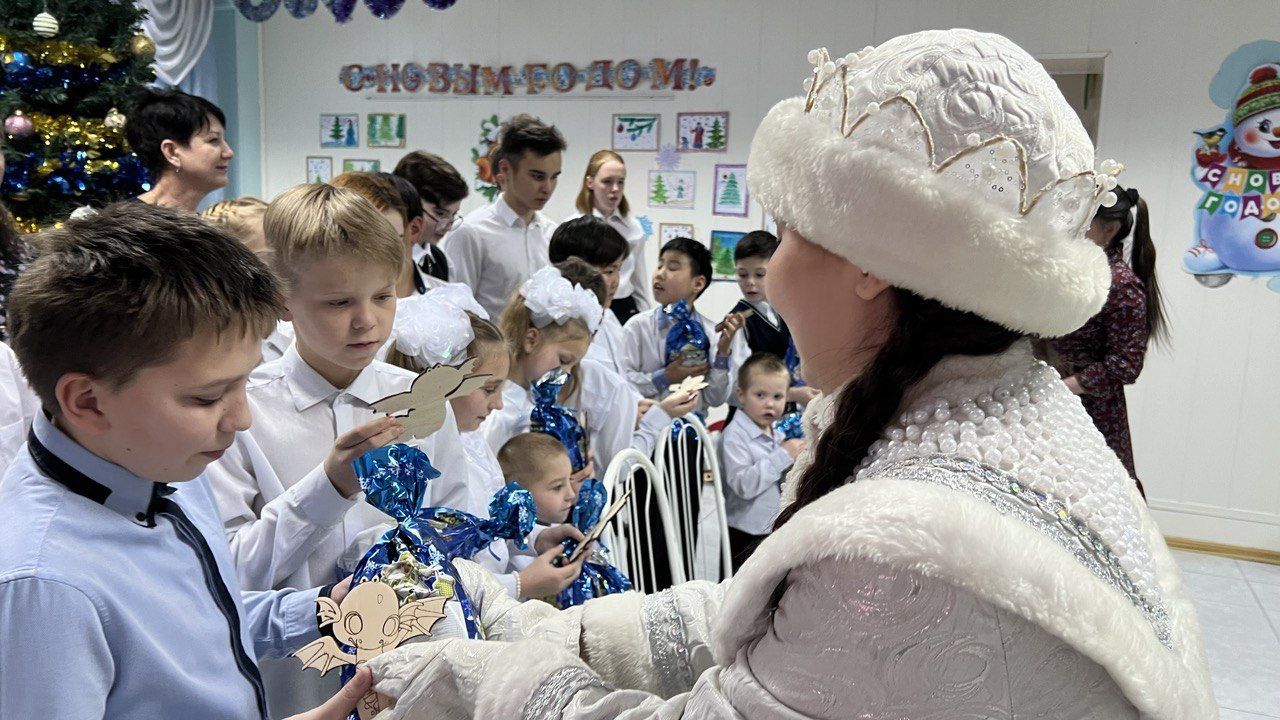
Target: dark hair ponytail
(1142, 258)
(926, 331)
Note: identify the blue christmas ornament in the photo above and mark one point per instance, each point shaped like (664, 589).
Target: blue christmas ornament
(257, 11)
(686, 339)
(20, 62)
(384, 9)
(550, 417)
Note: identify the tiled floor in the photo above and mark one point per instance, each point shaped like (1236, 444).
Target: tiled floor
(1239, 607)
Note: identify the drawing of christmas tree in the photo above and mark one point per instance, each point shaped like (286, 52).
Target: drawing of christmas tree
(335, 132)
(715, 138)
(400, 129)
(387, 133)
(730, 197)
(658, 193)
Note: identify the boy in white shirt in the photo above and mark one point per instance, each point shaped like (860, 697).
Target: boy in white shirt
(754, 456)
(288, 496)
(602, 247)
(499, 246)
(683, 273)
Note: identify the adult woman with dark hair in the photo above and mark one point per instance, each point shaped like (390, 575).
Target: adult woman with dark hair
(958, 542)
(181, 139)
(1107, 353)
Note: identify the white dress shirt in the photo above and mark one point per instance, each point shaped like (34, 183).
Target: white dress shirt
(644, 358)
(18, 407)
(493, 252)
(280, 339)
(753, 461)
(605, 405)
(633, 277)
(287, 525)
(607, 345)
(488, 474)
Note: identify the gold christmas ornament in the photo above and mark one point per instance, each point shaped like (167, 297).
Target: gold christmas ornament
(141, 45)
(45, 25)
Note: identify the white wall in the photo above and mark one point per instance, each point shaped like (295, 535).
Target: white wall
(1204, 411)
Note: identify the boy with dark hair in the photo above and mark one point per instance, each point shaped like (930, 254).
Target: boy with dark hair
(441, 191)
(683, 273)
(138, 327)
(600, 245)
(498, 247)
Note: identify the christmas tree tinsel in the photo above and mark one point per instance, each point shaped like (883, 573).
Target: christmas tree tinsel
(66, 86)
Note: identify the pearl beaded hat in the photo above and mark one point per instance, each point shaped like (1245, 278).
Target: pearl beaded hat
(948, 163)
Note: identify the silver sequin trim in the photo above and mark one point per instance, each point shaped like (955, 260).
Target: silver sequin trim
(668, 644)
(549, 700)
(1039, 510)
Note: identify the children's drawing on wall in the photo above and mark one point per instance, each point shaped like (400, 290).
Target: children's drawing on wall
(319, 169)
(670, 231)
(338, 131)
(672, 189)
(386, 130)
(723, 243)
(354, 165)
(730, 191)
(635, 132)
(702, 131)
(1236, 164)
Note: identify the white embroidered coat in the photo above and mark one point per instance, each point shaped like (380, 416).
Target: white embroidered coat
(992, 560)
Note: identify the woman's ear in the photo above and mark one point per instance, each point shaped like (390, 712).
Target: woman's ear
(531, 340)
(169, 150)
(868, 286)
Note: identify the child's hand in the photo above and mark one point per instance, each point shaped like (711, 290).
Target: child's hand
(554, 535)
(794, 446)
(802, 394)
(352, 444)
(542, 578)
(680, 404)
(643, 407)
(731, 324)
(342, 703)
(676, 371)
(587, 471)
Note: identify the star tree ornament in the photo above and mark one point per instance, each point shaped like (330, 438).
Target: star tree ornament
(45, 24)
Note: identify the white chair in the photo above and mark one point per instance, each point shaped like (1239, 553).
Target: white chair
(630, 535)
(676, 460)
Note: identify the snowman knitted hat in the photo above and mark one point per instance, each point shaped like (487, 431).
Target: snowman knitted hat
(948, 163)
(1262, 93)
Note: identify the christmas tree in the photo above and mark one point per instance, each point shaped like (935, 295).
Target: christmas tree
(658, 193)
(388, 136)
(62, 95)
(375, 129)
(335, 131)
(400, 129)
(715, 138)
(730, 196)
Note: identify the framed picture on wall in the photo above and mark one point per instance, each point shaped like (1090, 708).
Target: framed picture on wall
(730, 191)
(635, 132)
(723, 243)
(673, 189)
(353, 165)
(319, 169)
(386, 130)
(339, 131)
(702, 131)
(670, 231)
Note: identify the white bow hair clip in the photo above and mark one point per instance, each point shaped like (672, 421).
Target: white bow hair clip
(434, 328)
(553, 299)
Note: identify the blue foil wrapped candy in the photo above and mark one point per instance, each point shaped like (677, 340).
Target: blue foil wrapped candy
(790, 426)
(686, 338)
(412, 556)
(550, 417)
(599, 577)
(511, 517)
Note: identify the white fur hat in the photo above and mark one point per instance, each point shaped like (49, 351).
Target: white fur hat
(948, 163)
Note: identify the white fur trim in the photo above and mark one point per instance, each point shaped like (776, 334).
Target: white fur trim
(615, 644)
(964, 541)
(894, 216)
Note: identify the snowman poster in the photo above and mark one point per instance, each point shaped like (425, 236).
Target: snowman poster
(1236, 165)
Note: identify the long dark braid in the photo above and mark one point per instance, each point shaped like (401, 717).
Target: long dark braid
(926, 331)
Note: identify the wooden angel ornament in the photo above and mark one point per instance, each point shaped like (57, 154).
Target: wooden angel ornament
(426, 397)
(371, 620)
